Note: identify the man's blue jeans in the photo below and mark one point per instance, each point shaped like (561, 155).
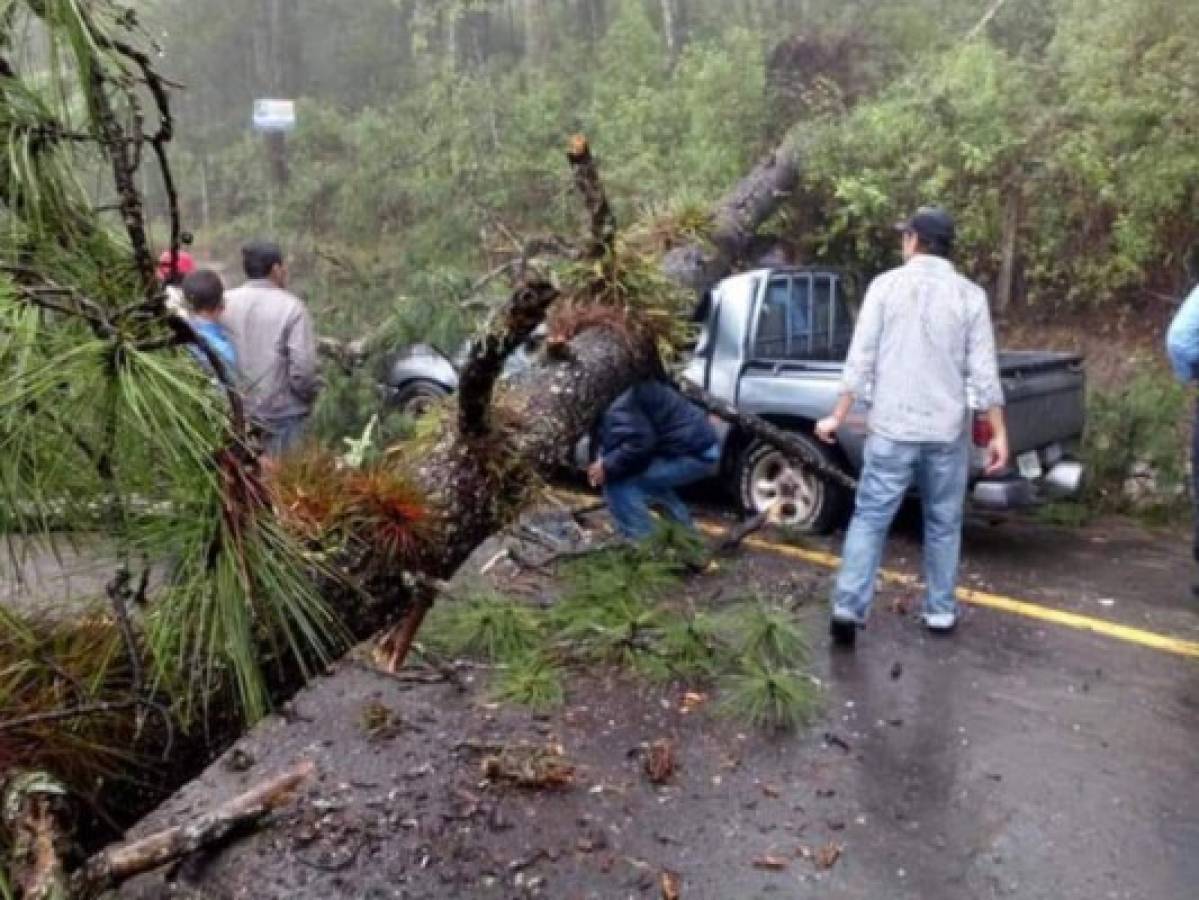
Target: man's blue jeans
(1195, 479)
(281, 436)
(629, 499)
(939, 472)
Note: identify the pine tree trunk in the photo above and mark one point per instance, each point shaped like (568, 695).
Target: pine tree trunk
(736, 220)
(670, 31)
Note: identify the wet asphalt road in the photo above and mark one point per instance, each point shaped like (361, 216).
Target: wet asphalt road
(1016, 759)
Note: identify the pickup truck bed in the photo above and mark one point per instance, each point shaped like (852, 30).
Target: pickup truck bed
(1045, 395)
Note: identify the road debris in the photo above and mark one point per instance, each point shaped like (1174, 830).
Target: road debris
(672, 885)
(692, 700)
(771, 863)
(826, 857)
(519, 865)
(239, 760)
(835, 740)
(896, 670)
(379, 722)
(659, 761)
(526, 766)
(901, 604)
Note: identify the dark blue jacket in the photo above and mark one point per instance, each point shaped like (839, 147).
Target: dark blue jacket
(648, 420)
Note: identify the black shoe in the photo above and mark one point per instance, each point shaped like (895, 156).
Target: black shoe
(843, 632)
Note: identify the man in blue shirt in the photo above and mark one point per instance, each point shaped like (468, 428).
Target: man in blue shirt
(1182, 343)
(651, 440)
(205, 297)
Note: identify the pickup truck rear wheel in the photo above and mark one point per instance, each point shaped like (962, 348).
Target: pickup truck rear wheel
(416, 398)
(806, 502)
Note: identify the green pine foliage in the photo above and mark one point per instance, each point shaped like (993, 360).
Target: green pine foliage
(1141, 425)
(533, 680)
(770, 697)
(113, 437)
(689, 643)
(765, 633)
(486, 625)
(626, 608)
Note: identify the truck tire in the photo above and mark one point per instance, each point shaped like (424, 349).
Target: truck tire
(808, 504)
(416, 398)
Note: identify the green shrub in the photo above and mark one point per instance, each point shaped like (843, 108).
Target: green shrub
(1142, 424)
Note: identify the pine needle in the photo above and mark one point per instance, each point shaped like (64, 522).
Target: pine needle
(764, 633)
(533, 681)
(770, 698)
(485, 625)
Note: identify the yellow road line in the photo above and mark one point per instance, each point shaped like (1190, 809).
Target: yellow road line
(1024, 608)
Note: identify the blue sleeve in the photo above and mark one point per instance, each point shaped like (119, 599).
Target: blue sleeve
(1182, 340)
(228, 353)
(630, 435)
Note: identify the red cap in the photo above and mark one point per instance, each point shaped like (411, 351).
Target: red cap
(184, 265)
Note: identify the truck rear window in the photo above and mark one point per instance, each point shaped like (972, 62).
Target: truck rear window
(803, 316)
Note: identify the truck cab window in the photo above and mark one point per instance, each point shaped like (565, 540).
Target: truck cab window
(832, 322)
(800, 345)
(804, 316)
(770, 338)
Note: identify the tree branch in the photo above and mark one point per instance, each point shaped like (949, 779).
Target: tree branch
(118, 864)
(118, 595)
(985, 20)
(736, 220)
(763, 430)
(590, 187)
(124, 171)
(74, 712)
(37, 289)
(524, 312)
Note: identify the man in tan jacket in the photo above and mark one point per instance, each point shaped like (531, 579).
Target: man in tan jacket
(272, 331)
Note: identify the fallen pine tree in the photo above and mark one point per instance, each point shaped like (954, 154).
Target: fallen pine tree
(230, 589)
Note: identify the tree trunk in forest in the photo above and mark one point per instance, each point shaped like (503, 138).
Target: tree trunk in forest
(670, 31)
(736, 221)
(1007, 265)
(535, 20)
(594, 17)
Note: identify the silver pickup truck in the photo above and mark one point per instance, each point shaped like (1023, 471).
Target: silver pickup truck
(773, 343)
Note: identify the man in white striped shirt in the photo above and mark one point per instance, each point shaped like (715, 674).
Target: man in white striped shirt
(923, 352)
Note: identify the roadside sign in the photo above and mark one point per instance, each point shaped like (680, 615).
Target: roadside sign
(274, 115)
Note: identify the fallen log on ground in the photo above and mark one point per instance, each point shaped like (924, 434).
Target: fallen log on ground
(117, 864)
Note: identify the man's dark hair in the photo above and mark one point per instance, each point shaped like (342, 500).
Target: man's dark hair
(203, 290)
(259, 257)
(935, 246)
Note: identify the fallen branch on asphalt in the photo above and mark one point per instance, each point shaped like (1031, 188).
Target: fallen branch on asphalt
(115, 865)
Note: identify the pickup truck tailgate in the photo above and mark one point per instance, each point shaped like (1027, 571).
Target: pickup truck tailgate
(1046, 398)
